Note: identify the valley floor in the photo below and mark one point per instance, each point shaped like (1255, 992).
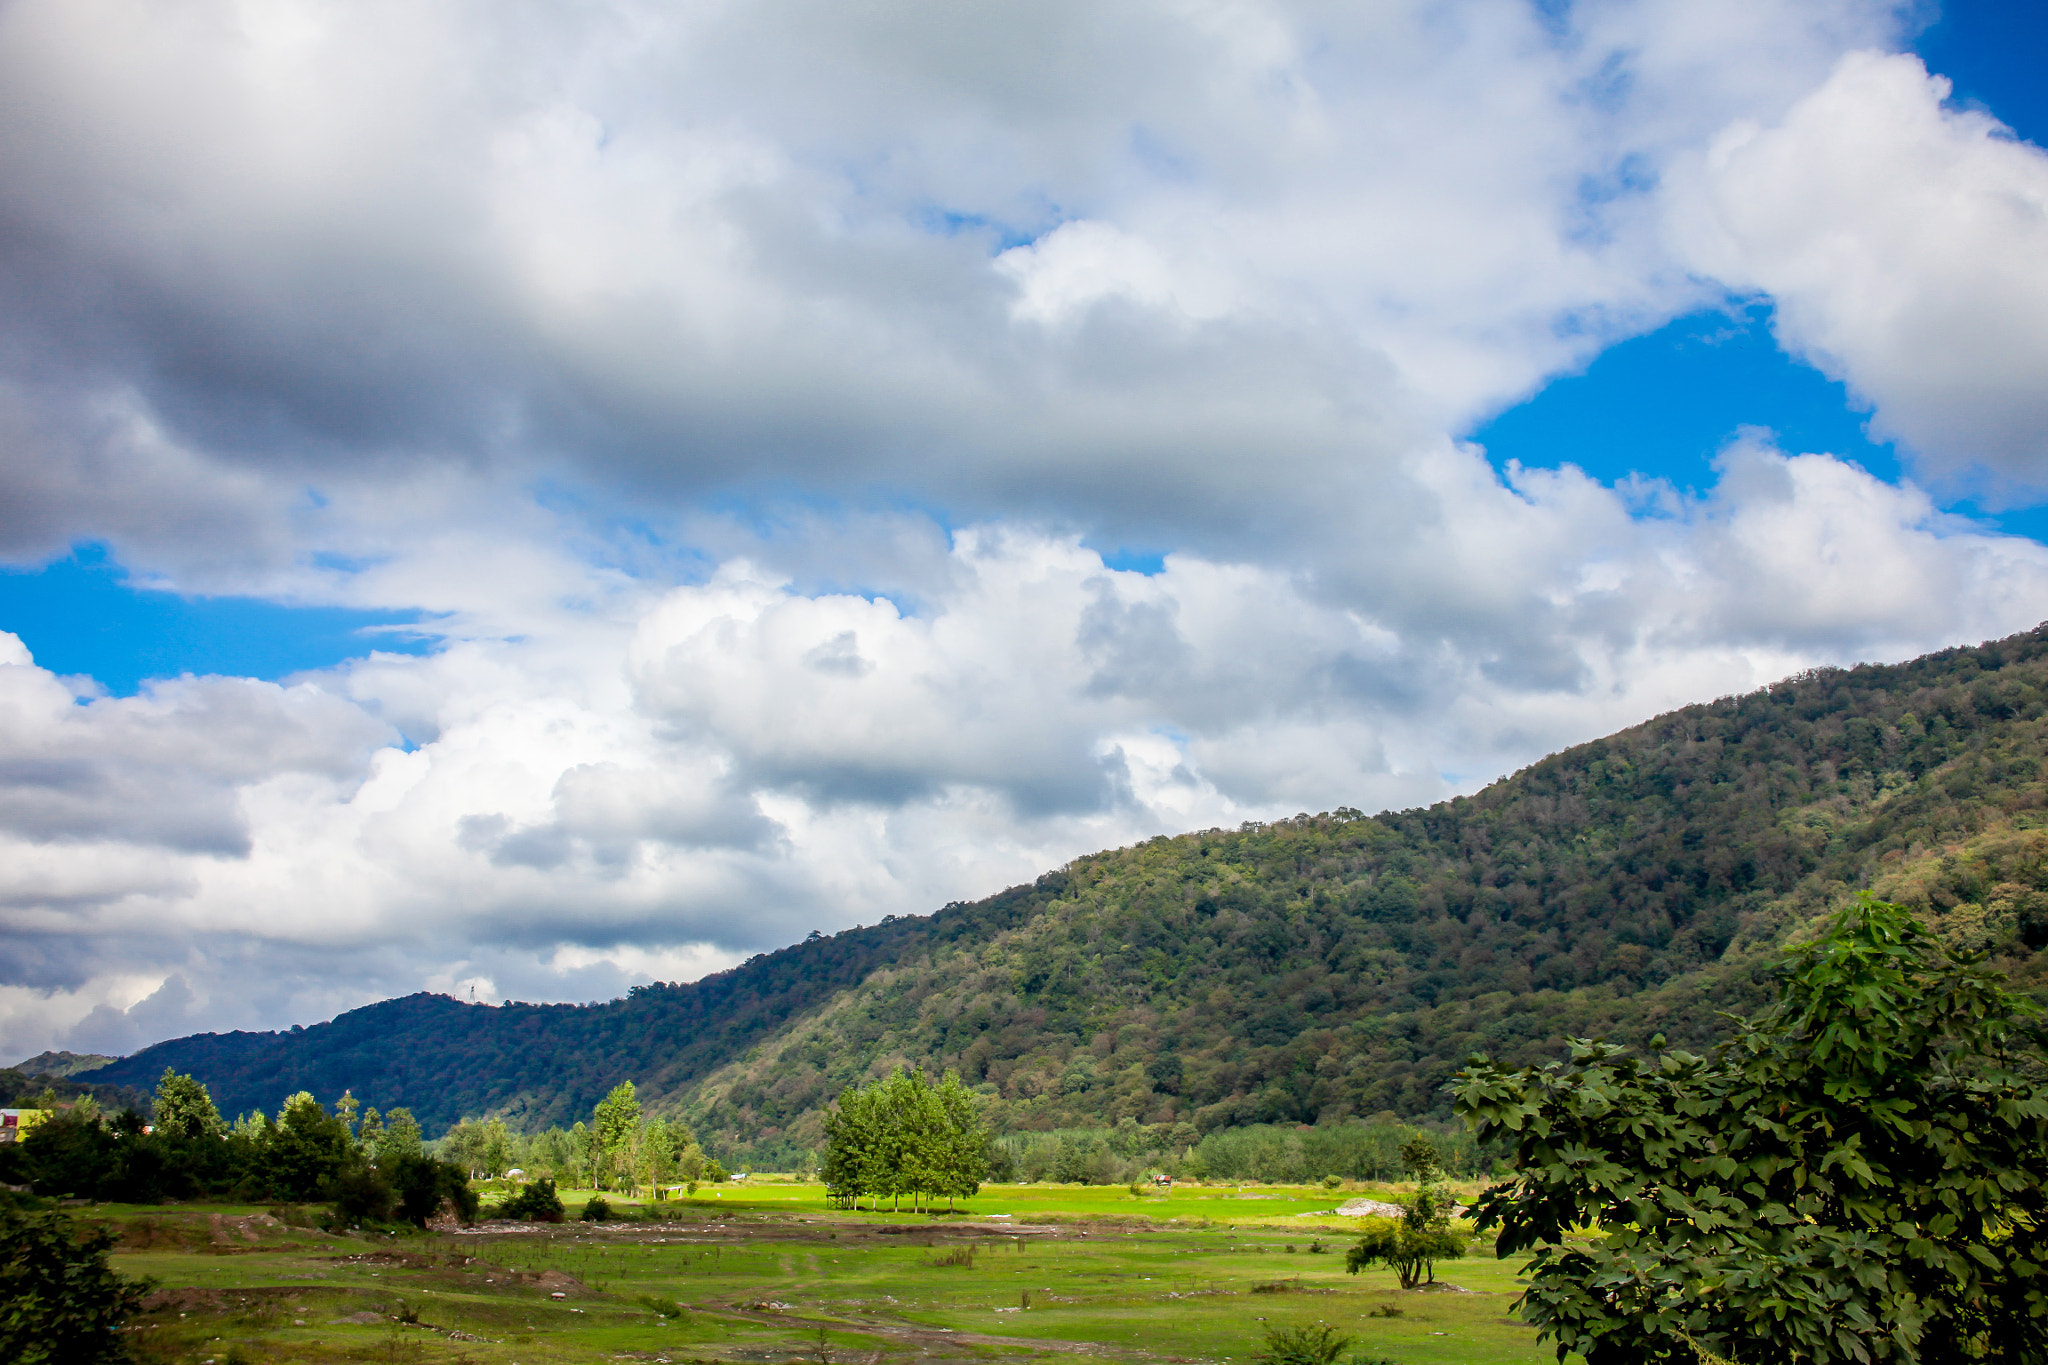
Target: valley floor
(770, 1274)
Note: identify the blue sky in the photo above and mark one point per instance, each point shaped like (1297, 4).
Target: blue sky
(749, 543)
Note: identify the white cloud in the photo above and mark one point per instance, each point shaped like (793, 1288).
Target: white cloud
(1906, 247)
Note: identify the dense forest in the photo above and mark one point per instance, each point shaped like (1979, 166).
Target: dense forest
(1306, 970)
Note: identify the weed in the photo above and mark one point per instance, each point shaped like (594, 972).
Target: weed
(1388, 1310)
(1315, 1344)
(960, 1256)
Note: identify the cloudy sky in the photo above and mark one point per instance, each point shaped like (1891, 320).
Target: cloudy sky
(538, 496)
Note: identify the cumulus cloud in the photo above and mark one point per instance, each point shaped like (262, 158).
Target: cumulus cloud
(1053, 258)
(1905, 244)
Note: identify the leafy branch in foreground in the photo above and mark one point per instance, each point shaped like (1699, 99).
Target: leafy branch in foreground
(1858, 1175)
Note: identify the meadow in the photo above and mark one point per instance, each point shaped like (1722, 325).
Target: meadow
(769, 1273)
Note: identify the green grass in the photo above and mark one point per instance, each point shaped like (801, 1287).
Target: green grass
(1139, 1280)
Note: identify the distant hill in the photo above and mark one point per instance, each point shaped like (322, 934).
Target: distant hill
(1309, 968)
(61, 1063)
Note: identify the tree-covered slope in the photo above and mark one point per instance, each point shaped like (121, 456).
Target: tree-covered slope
(544, 1064)
(1311, 967)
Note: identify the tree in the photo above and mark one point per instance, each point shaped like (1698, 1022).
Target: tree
(305, 1151)
(1412, 1246)
(184, 1109)
(400, 1138)
(426, 1187)
(904, 1136)
(1861, 1174)
(614, 1126)
(60, 1302)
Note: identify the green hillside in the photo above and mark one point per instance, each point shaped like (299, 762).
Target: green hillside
(1309, 968)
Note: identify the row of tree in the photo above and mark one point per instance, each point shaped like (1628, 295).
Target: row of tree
(904, 1137)
(370, 1168)
(622, 1148)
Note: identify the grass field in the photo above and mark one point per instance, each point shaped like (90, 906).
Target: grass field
(770, 1274)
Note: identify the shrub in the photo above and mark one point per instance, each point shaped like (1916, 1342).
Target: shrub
(1316, 1344)
(597, 1210)
(363, 1194)
(1331, 1182)
(60, 1303)
(535, 1203)
(425, 1186)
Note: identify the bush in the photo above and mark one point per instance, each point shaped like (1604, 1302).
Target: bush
(597, 1210)
(425, 1186)
(60, 1303)
(363, 1194)
(535, 1203)
(1317, 1344)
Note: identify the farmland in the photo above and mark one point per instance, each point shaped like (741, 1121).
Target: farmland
(769, 1273)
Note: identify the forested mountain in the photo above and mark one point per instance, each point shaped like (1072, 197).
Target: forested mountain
(1309, 968)
(61, 1063)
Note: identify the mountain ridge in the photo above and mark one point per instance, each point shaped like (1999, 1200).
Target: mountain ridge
(1305, 969)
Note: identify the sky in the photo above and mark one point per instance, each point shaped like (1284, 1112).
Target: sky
(531, 498)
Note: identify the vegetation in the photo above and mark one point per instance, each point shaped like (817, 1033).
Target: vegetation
(1412, 1246)
(1859, 1175)
(1311, 970)
(1312, 1344)
(757, 1275)
(305, 1153)
(60, 1302)
(905, 1136)
(534, 1203)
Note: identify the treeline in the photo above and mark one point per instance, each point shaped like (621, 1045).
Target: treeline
(1262, 1153)
(24, 1089)
(621, 1148)
(371, 1169)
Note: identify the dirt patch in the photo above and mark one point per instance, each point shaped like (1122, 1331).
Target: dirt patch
(227, 1231)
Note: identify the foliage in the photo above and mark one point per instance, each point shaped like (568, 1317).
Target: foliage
(1312, 1344)
(905, 1136)
(363, 1194)
(60, 1302)
(428, 1188)
(1859, 1175)
(597, 1210)
(1305, 970)
(183, 1109)
(1412, 1246)
(536, 1202)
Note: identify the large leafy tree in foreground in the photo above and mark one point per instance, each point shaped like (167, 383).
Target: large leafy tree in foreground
(1858, 1175)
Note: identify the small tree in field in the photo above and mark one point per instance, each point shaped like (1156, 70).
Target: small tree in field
(1860, 1175)
(1412, 1247)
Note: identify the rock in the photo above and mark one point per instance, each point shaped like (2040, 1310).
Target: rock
(1370, 1208)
